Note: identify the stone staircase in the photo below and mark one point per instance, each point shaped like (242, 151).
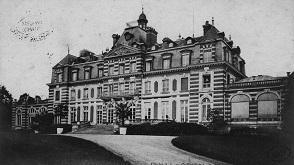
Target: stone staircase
(95, 129)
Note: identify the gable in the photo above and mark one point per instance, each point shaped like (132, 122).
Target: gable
(122, 50)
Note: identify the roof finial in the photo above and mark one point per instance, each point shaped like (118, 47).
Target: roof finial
(67, 48)
(230, 37)
(212, 21)
(142, 6)
(180, 36)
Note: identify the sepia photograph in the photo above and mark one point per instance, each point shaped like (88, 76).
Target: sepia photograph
(146, 82)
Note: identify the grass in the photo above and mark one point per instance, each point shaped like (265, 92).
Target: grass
(20, 148)
(240, 150)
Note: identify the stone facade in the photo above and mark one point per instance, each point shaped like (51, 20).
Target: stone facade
(181, 80)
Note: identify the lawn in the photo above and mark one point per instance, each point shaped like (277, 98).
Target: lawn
(20, 148)
(240, 150)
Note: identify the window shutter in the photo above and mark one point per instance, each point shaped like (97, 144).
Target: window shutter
(174, 85)
(78, 114)
(92, 92)
(155, 86)
(91, 113)
(174, 110)
(155, 110)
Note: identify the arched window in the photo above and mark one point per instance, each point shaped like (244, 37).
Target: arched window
(240, 106)
(18, 118)
(155, 110)
(174, 85)
(267, 105)
(155, 86)
(92, 93)
(92, 113)
(174, 110)
(78, 114)
(171, 45)
(32, 111)
(79, 94)
(206, 108)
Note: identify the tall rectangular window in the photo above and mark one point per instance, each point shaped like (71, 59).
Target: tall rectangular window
(111, 70)
(99, 114)
(148, 66)
(185, 59)
(85, 113)
(59, 77)
(121, 69)
(100, 72)
(206, 81)
(99, 91)
(57, 95)
(73, 95)
(148, 87)
(184, 84)
(166, 63)
(110, 89)
(74, 75)
(207, 56)
(121, 88)
(132, 88)
(86, 93)
(165, 85)
(87, 73)
(133, 67)
(184, 110)
(165, 110)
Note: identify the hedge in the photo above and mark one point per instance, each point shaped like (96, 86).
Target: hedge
(167, 129)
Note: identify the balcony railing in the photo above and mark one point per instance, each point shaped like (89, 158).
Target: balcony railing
(255, 83)
(116, 94)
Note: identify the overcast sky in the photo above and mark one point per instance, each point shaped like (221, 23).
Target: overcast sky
(264, 30)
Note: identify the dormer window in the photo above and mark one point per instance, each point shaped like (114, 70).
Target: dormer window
(170, 45)
(153, 47)
(189, 41)
(59, 77)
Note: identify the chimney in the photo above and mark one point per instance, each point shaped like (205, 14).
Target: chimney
(206, 27)
(115, 38)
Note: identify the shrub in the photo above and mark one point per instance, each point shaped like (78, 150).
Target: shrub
(167, 129)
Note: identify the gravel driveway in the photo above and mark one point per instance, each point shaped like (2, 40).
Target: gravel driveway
(151, 150)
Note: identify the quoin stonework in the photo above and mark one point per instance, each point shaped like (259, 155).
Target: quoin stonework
(182, 80)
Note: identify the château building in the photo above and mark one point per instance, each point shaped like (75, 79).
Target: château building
(182, 80)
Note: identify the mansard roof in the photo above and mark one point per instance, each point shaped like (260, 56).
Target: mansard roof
(67, 60)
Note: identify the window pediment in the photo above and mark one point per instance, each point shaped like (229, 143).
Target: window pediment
(166, 55)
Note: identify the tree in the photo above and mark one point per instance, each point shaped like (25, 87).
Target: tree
(61, 110)
(42, 122)
(123, 111)
(25, 99)
(217, 121)
(5, 108)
